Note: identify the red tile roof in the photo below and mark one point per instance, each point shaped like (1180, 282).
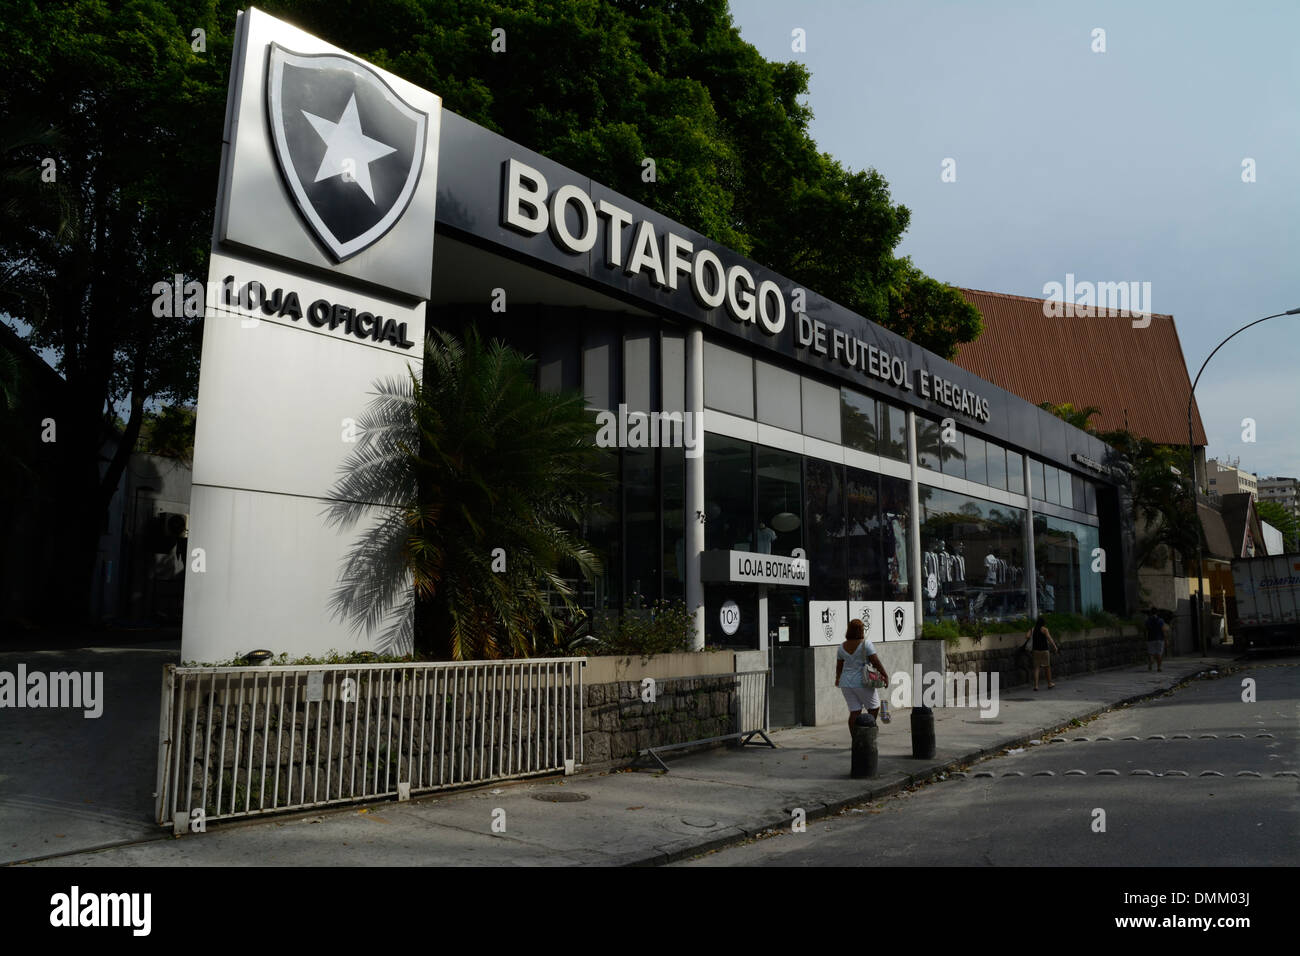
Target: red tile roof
(1101, 360)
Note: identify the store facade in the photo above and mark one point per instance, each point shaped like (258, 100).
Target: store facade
(784, 464)
(907, 485)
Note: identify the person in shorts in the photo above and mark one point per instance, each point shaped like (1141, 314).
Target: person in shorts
(1042, 640)
(1156, 630)
(854, 654)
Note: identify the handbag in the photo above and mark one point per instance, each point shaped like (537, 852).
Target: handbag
(871, 678)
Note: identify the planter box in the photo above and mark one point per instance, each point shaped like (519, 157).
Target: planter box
(608, 670)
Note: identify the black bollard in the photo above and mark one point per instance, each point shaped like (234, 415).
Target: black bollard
(866, 758)
(922, 732)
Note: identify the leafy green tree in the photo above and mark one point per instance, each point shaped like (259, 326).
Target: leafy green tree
(1160, 496)
(137, 113)
(479, 479)
(169, 432)
(1273, 513)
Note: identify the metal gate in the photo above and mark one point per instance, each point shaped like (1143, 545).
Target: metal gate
(242, 741)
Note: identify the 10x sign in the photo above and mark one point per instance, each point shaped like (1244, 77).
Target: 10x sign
(349, 148)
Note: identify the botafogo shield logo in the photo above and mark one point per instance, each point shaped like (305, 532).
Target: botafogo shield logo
(350, 149)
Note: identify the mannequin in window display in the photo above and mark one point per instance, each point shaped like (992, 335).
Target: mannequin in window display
(956, 587)
(930, 578)
(765, 538)
(991, 569)
(947, 568)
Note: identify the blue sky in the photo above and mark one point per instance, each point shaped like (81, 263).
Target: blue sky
(1117, 166)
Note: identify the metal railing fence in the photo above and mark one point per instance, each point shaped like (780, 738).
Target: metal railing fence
(749, 706)
(242, 741)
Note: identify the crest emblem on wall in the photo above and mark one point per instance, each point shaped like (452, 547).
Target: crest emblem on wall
(350, 150)
(899, 620)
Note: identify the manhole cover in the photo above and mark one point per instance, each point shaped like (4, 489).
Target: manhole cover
(700, 822)
(561, 796)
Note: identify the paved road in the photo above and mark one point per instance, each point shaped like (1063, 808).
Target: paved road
(68, 782)
(1163, 800)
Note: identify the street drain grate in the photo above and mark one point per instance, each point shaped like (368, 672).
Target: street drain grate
(563, 796)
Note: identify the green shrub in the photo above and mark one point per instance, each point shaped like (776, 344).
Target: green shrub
(946, 631)
(1105, 619)
(664, 627)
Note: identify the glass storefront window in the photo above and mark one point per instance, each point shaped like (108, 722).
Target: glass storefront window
(866, 570)
(780, 527)
(972, 558)
(777, 392)
(728, 380)
(1015, 472)
(977, 462)
(673, 463)
(1067, 489)
(1090, 497)
(824, 529)
(996, 457)
(952, 454)
(821, 409)
(641, 525)
(728, 494)
(1052, 484)
(858, 422)
(892, 426)
(600, 527)
(1036, 479)
(929, 443)
(1063, 557)
(895, 524)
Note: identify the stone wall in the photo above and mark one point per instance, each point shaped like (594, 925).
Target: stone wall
(1081, 653)
(617, 725)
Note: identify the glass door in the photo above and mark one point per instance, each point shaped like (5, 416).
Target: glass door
(787, 641)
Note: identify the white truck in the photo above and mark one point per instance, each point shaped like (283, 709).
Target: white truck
(1268, 601)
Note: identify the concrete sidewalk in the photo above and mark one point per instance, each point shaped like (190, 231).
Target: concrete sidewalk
(644, 817)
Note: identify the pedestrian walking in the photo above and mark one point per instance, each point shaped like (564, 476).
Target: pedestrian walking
(851, 661)
(1041, 639)
(1157, 631)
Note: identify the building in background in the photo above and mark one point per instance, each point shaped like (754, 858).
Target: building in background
(1285, 491)
(1131, 368)
(1229, 479)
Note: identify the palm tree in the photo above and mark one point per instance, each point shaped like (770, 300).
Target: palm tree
(1078, 417)
(473, 480)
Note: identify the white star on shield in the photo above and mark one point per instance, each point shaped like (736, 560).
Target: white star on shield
(348, 151)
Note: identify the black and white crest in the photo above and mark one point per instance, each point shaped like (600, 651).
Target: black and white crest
(899, 620)
(349, 148)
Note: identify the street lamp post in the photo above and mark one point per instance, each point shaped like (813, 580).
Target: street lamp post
(1191, 458)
